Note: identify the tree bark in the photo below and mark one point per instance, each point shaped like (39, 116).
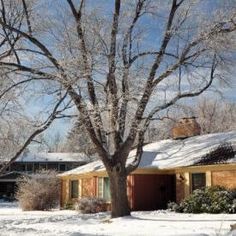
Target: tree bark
(118, 187)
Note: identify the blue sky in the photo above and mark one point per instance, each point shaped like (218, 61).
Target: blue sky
(62, 126)
(229, 93)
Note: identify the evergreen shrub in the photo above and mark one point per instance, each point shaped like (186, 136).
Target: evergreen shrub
(214, 199)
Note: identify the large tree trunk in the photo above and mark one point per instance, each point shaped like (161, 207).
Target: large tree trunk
(119, 200)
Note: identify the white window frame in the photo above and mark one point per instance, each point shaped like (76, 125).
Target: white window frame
(191, 183)
(102, 186)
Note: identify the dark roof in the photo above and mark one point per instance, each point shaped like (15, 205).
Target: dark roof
(218, 155)
(12, 175)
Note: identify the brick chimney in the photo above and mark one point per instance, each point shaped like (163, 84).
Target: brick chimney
(185, 127)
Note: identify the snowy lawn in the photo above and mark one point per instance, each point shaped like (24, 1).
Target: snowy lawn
(13, 221)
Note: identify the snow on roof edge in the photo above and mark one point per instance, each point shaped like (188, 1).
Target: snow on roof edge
(53, 157)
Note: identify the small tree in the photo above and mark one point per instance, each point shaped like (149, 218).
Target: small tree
(216, 116)
(213, 116)
(40, 191)
(78, 140)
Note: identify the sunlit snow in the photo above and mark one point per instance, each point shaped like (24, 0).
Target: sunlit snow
(14, 222)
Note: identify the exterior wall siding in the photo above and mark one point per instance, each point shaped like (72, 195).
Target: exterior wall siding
(144, 188)
(87, 187)
(224, 178)
(63, 192)
(130, 185)
(180, 187)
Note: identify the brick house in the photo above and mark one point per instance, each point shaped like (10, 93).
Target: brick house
(169, 171)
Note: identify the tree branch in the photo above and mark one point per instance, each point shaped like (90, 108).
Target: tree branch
(27, 69)
(27, 17)
(111, 80)
(187, 94)
(38, 131)
(127, 63)
(90, 84)
(17, 84)
(85, 118)
(36, 42)
(149, 84)
(139, 152)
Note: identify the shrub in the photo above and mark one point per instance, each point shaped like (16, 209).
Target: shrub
(39, 191)
(207, 200)
(69, 206)
(91, 205)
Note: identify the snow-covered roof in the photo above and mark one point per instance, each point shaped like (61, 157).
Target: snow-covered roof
(53, 157)
(167, 154)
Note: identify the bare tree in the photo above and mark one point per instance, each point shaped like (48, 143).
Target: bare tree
(216, 116)
(14, 142)
(78, 140)
(212, 114)
(53, 142)
(121, 70)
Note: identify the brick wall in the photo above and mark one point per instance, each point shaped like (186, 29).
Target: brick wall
(88, 187)
(64, 194)
(185, 127)
(180, 188)
(224, 178)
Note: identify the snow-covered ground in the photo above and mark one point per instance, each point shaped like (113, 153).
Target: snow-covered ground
(14, 222)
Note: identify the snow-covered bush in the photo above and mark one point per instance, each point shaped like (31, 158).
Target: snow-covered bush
(207, 200)
(40, 191)
(91, 205)
(69, 206)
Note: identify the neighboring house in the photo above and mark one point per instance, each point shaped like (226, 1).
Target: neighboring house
(169, 171)
(29, 163)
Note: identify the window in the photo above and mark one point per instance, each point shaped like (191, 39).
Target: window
(42, 166)
(36, 167)
(52, 166)
(104, 188)
(62, 167)
(74, 189)
(198, 181)
(20, 167)
(100, 187)
(23, 167)
(29, 167)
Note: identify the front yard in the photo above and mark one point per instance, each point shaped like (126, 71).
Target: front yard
(70, 223)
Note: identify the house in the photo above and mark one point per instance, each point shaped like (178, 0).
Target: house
(29, 163)
(169, 171)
